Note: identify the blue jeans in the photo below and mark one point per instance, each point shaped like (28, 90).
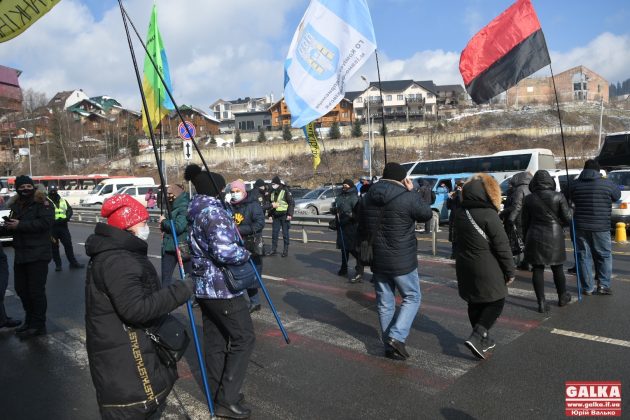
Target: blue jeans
(169, 263)
(394, 325)
(594, 248)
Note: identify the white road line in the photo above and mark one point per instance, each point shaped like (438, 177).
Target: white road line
(268, 277)
(597, 338)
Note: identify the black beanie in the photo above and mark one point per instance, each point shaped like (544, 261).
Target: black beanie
(205, 183)
(394, 171)
(592, 164)
(276, 180)
(259, 183)
(22, 180)
(348, 181)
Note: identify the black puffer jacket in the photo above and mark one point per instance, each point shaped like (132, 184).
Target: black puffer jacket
(249, 217)
(123, 289)
(31, 239)
(519, 189)
(482, 265)
(395, 245)
(544, 237)
(592, 198)
(343, 208)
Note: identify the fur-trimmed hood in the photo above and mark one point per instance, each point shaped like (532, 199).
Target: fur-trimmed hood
(38, 197)
(483, 188)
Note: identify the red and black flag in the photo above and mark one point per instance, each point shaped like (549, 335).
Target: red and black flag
(508, 49)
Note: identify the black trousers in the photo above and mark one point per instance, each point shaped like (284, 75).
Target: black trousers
(4, 283)
(253, 292)
(62, 234)
(485, 314)
(280, 222)
(538, 279)
(229, 339)
(30, 286)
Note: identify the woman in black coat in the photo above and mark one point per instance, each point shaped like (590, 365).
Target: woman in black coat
(123, 297)
(545, 212)
(483, 261)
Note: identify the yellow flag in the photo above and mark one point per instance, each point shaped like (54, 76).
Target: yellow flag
(17, 15)
(311, 139)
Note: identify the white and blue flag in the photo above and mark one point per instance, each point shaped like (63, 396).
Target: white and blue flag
(333, 40)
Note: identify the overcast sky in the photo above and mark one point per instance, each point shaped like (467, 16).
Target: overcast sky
(236, 48)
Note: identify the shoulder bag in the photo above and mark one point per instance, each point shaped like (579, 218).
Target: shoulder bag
(476, 226)
(547, 209)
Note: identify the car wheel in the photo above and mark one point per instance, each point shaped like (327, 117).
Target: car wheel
(312, 210)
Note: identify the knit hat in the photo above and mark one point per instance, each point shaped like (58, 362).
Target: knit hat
(240, 185)
(394, 171)
(348, 181)
(276, 180)
(206, 183)
(592, 164)
(123, 211)
(22, 180)
(259, 183)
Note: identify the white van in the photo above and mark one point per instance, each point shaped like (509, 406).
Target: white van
(109, 187)
(139, 192)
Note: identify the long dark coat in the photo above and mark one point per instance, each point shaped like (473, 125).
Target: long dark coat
(123, 291)
(344, 209)
(544, 237)
(482, 266)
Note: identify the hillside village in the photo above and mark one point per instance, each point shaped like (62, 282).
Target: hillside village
(76, 133)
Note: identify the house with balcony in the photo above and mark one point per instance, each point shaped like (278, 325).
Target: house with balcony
(224, 110)
(341, 113)
(252, 121)
(204, 123)
(400, 100)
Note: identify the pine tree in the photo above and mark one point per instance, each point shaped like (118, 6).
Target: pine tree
(356, 129)
(286, 132)
(212, 139)
(133, 146)
(261, 135)
(237, 136)
(335, 133)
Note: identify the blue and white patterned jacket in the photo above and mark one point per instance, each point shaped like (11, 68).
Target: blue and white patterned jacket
(213, 234)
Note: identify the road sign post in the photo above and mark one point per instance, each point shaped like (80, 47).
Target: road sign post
(188, 149)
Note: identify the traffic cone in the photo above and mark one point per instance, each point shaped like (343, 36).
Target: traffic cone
(620, 233)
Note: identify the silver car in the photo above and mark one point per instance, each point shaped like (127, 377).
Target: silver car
(317, 201)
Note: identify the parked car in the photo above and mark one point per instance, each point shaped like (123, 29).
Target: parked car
(4, 212)
(558, 175)
(139, 191)
(298, 192)
(317, 201)
(621, 208)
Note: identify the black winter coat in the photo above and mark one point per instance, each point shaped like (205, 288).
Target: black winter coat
(262, 197)
(344, 207)
(274, 195)
(482, 265)
(519, 189)
(395, 245)
(123, 289)
(544, 237)
(249, 217)
(31, 239)
(592, 199)
(62, 223)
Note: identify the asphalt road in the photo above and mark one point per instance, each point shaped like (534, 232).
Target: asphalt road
(334, 367)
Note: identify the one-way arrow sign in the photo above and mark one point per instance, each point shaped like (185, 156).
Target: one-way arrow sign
(188, 149)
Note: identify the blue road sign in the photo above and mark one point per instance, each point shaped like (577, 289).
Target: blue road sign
(183, 133)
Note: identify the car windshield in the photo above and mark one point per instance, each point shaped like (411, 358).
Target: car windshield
(313, 194)
(622, 179)
(431, 181)
(96, 189)
(505, 185)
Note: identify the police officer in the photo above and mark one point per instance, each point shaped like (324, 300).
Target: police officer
(281, 212)
(60, 232)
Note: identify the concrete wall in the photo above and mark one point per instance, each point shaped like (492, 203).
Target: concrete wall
(279, 149)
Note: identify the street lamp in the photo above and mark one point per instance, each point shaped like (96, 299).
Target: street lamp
(28, 141)
(368, 121)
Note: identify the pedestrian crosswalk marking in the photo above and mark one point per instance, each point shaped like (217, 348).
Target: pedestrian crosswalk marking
(597, 338)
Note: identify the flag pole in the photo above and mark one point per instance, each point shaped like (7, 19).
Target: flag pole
(380, 91)
(205, 164)
(163, 184)
(566, 167)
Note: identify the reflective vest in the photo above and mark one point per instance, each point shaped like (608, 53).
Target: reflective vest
(60, 211)
(278, 197)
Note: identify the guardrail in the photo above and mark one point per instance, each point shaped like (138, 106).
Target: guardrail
(93, 215)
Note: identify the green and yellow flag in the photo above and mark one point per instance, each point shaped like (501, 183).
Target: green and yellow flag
(158, 101)
(311, 139)
(17, 15)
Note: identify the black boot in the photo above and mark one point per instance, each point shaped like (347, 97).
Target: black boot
(285, 253)
(564, 298)
(475, 342)
(543, 307)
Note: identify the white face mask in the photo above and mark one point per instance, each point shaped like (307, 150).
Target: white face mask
(275, 186)
(143, 232)
(236, 197)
